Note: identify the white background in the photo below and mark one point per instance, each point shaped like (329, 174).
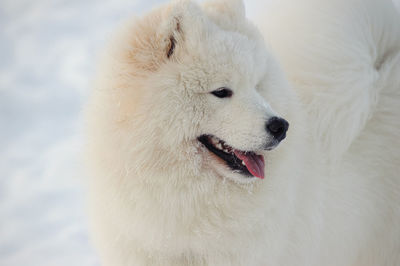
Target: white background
(48, 52)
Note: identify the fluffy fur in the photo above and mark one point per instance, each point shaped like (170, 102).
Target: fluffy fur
(332, 188)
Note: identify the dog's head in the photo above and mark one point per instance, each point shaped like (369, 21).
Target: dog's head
(196, 83)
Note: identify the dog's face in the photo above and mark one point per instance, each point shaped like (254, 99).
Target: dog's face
(208, 86)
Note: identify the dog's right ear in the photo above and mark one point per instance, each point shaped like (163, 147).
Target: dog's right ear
(160, 36)
(179, 22)
(233, 10)
(172, 34)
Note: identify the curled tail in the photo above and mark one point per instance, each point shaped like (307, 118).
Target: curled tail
(339, 55)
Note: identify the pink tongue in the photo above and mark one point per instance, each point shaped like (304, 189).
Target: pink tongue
(254, 163)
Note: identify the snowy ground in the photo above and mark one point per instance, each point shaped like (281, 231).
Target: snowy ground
(47, 55)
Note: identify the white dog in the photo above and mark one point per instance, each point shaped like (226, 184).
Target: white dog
(187, 126)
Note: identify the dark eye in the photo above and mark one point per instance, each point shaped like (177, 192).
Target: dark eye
(222, 92)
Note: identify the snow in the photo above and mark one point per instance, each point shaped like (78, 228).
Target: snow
(48, 52)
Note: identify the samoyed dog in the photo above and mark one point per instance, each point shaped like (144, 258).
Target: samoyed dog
(211, 142)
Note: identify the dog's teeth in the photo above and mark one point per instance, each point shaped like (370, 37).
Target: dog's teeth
(219, 146)
(243, 163)
(214, 140)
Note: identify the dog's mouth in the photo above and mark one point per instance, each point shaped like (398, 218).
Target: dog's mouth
(247, 163)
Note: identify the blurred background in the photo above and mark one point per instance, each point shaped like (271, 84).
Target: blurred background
(48, 51)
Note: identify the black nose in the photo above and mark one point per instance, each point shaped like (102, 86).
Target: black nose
(277, 127)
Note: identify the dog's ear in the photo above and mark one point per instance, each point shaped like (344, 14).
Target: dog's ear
(232, 9)
(160, 35)
(173, 35)
(179, 23)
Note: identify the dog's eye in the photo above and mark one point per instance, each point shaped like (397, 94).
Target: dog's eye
(222, 92)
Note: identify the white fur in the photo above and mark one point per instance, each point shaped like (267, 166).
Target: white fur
(332, 189)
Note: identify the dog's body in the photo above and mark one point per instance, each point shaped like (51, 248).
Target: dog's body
(161, 196)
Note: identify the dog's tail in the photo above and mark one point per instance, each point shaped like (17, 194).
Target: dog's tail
(340, 55)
